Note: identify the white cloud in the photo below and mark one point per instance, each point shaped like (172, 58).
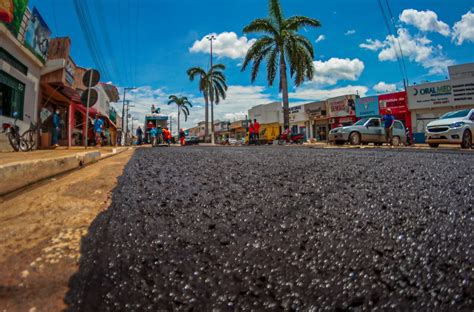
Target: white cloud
(385, 87)
(372, 45)
(417, 49)
(426, 21)
(313, 93)
(321, 38)
(227, 44)
(464, 29)
(336, 69)
(350, 32)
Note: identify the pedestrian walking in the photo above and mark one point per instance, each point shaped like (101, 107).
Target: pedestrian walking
(139, 135)
(98, 127)
(182, 137)
(153, 135)
(159, 135)
(166, 136)
(251, 132)
(56, 128)
(388, 121)
(256, 127)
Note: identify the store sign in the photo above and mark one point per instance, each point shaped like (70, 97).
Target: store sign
(442, 94)
(367, 106)
(70, 70)
(11, 13)
(37, 34)
(297, 114)
(342, 106)
(316, 110)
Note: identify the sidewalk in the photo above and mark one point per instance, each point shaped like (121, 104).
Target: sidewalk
(19, 169)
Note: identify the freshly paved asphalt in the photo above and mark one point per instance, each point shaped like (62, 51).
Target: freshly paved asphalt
(279, 228)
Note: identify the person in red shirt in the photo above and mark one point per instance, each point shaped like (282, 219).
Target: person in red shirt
(256, 127)
(251, 132)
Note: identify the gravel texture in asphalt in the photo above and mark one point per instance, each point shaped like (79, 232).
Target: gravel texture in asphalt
(279, 228)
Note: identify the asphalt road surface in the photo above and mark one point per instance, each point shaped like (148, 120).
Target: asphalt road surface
(281, 228)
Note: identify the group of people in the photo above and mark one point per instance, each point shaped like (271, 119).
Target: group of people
(254, 132)
(160, 135)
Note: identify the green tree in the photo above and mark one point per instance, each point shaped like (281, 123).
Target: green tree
(183, 105)
(213, 86)
(280, 47)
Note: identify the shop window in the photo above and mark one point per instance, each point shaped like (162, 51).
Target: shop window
(12, 95)
(12, 61)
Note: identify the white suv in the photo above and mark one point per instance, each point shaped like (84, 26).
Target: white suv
(452, 128)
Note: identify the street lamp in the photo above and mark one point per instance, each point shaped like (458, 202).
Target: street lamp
(123, 112)
(211, 38)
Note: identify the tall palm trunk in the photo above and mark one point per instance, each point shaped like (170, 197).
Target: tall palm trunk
(212, 121)
(179, 113)
(206, 119)
(284, 92)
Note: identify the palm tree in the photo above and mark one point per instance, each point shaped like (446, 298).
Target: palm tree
(212, 80)
(182, 102)
(281, 46)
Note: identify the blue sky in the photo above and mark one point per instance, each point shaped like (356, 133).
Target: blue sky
(154, 42)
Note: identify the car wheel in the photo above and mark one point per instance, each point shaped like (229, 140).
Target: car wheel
(434, 145)
(354, 138)
(395, 141)
(466, 139)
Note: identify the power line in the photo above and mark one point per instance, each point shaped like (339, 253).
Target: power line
(391, 34)
(398, 40)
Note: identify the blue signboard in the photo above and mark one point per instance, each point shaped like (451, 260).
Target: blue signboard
(367, 106)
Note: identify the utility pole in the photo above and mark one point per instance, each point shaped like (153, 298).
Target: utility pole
(211, 38)
(123, 113)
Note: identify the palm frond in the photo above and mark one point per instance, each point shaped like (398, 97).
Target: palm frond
(276, 12)
(272, 65)
(295, 23)
(261, 25)
(256, 49)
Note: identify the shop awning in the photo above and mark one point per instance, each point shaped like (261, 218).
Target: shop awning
(79, 107)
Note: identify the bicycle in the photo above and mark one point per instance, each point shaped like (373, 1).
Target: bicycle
(13, 134)
(30, 135)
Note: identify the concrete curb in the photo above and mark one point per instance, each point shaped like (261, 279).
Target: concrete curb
(16, 175)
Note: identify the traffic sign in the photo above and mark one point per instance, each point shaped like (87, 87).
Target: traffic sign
(91, 73)
(93, 97)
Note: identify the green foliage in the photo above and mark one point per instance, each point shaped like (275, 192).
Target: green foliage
(183, 104)
(281, 45)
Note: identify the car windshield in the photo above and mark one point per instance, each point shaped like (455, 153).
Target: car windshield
(457, 114)
(361, 122)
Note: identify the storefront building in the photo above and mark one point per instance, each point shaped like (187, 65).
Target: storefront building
(238, 129)
(298, 120)
(270, 118)
(429, 101)
(20, 71)
(317, 120)
(342, 110)
(397, 102)
(367, 107)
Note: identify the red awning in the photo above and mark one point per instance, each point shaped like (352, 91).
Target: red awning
(79, 107)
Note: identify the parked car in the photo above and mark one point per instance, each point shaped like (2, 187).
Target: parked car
(452, 128)
(191, 140)
(368, 130)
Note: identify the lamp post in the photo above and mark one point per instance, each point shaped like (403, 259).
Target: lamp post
(123, 112)
(211, 38)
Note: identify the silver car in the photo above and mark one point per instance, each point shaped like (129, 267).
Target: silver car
(452, 128)
(368, 130)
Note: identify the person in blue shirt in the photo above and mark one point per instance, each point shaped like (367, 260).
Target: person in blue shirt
(153, 134)
(388, 121)
(56, 128)
(98, 128)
